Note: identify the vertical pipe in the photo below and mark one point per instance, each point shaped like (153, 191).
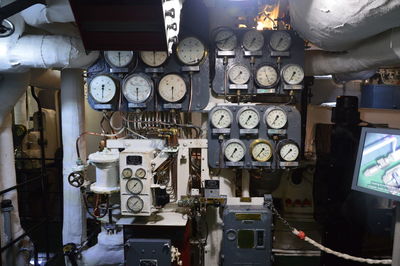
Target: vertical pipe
(396, 243)
(72, 125)
(6, 209)
(245, 183)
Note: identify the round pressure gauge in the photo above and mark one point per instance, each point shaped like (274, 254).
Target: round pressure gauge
(253, 40)
(292, 74)
(239, 74)
(153, 58)
(134, 186)
(127, 173)
(234, 150)
(261, 150)
(267, 76)
(226, 40)
(275, 118)
(137, 88)
(102, 88)
(135, 204)
(190, 51)
(280, 41)
(119, 58)
(140, 173)
(172, 88)
(221, 117)
(289, 151)
(248, 117)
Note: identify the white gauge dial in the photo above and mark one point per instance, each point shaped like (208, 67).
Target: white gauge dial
(221, 118)
(172, 88)
(135, 204)
(119, 58)
(276, 118)
(280, 41)
(134, 186)
(248, 118)
(190, 51)
(261, 150)
(226, 40)
(234, 150)
(267, 76)
(253, 40)
(102, 88)
(289, 152)
(239, 74)
(141, 173)
(127, 173)
(153, 58)
(292, 74)
(137, 88)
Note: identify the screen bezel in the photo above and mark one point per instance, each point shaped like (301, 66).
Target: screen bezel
(354, 186)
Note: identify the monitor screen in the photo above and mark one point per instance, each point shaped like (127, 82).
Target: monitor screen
(377, 169)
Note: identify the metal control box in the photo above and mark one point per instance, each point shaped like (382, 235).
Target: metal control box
(148, 252)
(247, 236)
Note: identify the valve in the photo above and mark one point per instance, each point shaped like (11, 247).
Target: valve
(76, 179)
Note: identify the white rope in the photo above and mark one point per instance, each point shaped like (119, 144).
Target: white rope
(338, 254)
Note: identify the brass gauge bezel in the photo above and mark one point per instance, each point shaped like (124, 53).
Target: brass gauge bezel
(259, 141)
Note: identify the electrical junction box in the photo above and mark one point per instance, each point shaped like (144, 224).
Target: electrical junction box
(247, 236)
(148, 252)
(211, 189)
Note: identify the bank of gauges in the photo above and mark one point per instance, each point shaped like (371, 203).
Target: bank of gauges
(103, 90)
(120, 61)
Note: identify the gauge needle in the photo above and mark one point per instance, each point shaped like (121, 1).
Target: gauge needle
(119, 58)
(276, 118)
(252, 41)
(172, 92)
(260, 152)
(154, 58)
(248, 119)
(279, 42)
(294, 73)
(102, 91)
(233, 152)
(240, 73)
(137, 93)
(135, 185)
(287, 153)
(135, 203)
(220, 119)
(266, 75)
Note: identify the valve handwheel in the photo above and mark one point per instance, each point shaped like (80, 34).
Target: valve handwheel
(76, 179)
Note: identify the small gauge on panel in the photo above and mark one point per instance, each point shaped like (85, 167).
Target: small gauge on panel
(248, 117)
(102, 88)
(135, 204)
(154, 58)
(221, 117)
(234, 150)
(276, 118)
(137, 88)
(119, 58)
(288, 151)
(140, 173)
(280, 41)
(261, 150)
(267, 76)
(190, 51)
(239, 74)
(134, 186)
(226, 40)
(292, 74)
(127, 173)
(172, 88)
(253, 40)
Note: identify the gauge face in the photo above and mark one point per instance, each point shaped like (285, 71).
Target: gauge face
(190, 51)
(134, 186)
(119, 58)
(102, 88)
(267, 76)
(234, 150)
(253, 40)
(172, 88)
(289, 152)
(226, 40)
(239, 74)
(135, 204)
(276, 118)
(137, 88)
(280, 41)
(261, 150)
(248, 118)
(221, 118)
(140, 173)
(292, 74)
(153, 58)
(127, 173)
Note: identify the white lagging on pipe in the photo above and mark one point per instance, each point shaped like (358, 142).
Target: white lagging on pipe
(55, 11)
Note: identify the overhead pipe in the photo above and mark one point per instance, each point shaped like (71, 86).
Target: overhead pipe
(55, 11)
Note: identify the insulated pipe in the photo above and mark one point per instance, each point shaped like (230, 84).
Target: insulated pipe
(341, 24)
(55, 11)
(72, 116)
(381, 50)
